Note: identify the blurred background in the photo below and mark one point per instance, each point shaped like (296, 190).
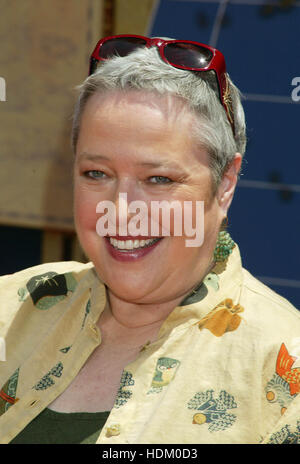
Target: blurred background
(44, 53)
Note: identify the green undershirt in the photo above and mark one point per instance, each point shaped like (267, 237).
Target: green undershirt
(52, 427)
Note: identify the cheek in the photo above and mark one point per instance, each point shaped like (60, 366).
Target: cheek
(85, 204)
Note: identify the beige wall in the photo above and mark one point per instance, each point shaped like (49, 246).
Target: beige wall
(44, 52)
(133, 16)
(45, 47)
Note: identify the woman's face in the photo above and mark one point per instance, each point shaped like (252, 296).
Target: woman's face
(134, 147)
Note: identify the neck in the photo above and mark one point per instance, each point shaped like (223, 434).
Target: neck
(131, 324)
(142, 316)
(139, 316)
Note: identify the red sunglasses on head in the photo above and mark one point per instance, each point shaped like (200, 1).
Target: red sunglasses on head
(182, 54)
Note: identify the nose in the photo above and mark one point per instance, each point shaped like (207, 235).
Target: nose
(122, 215)
(126, 191)
(128, 201)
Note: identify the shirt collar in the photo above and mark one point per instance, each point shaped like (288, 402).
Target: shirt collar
(223, 282)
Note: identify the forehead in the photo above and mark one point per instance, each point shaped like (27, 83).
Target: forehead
(139, 124)
(126, 106)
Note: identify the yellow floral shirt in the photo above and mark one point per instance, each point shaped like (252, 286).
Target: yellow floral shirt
(225, 367)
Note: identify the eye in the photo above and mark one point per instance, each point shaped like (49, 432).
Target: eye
(159, 180)
(95, 174)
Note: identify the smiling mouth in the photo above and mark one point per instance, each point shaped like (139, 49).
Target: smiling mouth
(132, 244)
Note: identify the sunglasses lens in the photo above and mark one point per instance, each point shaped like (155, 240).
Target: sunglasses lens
(188, 55)
(120, 46)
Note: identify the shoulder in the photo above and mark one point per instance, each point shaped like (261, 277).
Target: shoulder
(57, 267)
(39, 287)
(41, 275)
(261, 293)
(267, 310)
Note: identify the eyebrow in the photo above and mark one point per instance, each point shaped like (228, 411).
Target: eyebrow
(163, 163)
(152, 164)
(92, 157)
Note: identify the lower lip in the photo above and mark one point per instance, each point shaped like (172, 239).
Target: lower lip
(131, 255)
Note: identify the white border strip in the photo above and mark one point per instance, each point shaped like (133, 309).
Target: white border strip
(279, 282)
(2, 349)
(217, 23)
(268, 98)
(268, 185)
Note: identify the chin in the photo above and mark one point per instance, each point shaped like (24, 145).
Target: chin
(128, 290)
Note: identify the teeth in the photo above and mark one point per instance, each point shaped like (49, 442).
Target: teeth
(131, 244)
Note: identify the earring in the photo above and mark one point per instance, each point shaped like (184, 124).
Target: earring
(224, 245)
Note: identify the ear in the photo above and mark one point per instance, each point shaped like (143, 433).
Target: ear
(228, 183)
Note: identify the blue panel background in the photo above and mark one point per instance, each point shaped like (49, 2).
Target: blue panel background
(273, 141)
(271, 44)
(268, 244)
(261, 45)
(184, 20)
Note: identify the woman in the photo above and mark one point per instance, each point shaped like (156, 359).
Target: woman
(155, 340)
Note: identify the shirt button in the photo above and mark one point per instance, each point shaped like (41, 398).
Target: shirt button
(113, 430)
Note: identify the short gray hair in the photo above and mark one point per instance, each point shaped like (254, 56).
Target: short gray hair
(144, 70)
